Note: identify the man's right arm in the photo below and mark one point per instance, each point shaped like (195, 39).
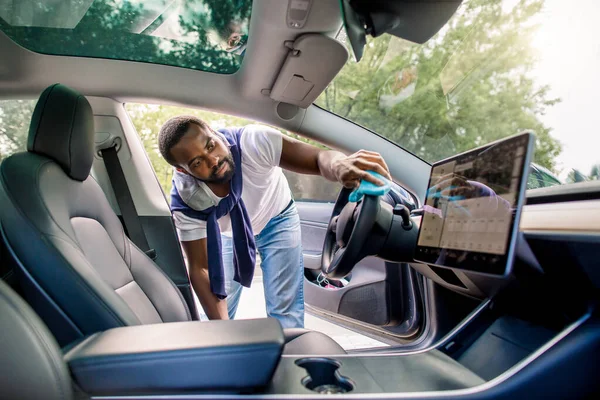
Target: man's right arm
(197, 257)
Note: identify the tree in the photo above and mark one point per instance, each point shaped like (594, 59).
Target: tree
(149, 118)
(15, 116)
(120, 29)
(467, 86)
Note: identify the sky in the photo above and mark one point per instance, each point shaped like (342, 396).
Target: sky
(568, 42)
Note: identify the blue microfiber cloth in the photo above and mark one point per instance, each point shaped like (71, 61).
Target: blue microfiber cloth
(367, 187)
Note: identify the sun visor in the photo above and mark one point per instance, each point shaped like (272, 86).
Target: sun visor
(311, 64)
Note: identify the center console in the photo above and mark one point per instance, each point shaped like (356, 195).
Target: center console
(240, 358)
(244, 357)
(420, 372)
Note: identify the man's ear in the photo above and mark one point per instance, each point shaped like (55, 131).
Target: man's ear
(183, 171)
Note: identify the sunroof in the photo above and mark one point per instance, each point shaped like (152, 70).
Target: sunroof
(207, 35)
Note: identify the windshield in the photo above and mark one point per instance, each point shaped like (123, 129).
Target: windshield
(206, 35)
(497, 68)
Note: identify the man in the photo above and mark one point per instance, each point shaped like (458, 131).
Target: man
(221, 226)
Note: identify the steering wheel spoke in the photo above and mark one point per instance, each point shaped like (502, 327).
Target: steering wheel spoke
(333, 224)
(348, 230)
(337, 255)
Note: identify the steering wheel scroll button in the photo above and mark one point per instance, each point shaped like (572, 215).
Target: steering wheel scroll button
(368, 188)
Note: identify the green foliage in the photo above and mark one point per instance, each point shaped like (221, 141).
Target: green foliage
(118, 29)
(467, 86)
(15, 116)
(149, 118)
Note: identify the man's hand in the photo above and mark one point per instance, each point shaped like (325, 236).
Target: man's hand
(349, 170)
(197, 260)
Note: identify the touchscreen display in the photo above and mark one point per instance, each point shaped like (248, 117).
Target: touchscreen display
(470, 214)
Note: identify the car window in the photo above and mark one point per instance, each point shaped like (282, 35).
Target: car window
(200, 34)
(497, 68)
(15, 117)
(312, 187)
(540, 177)
(548, 180)
(533, 181)
(148, 119)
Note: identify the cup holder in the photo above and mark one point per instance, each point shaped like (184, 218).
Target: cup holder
(323, 376)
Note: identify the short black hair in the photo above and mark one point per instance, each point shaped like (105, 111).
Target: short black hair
(172, 131)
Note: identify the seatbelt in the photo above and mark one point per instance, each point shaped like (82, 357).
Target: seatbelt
(131, 219)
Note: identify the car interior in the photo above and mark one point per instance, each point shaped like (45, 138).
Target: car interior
(95, 299)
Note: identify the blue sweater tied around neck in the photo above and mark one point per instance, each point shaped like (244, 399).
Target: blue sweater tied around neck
(244, 246)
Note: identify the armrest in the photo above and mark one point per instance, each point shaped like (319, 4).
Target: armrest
(216, 355)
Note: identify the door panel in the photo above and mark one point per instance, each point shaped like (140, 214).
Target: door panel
(364, 298)
(373, 294)
(314, 217)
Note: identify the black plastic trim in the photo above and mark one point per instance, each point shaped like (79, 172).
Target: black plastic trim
(564, 193)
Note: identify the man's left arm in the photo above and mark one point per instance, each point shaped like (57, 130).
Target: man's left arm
(304, 158)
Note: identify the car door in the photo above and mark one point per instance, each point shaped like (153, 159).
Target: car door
(377, 296)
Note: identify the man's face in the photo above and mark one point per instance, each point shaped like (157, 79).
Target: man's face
(204, 155)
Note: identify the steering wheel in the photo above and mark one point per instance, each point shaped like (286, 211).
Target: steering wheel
(347, 238)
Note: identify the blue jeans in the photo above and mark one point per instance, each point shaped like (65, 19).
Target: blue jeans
(280, 247)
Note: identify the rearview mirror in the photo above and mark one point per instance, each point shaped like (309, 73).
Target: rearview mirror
(416, 21)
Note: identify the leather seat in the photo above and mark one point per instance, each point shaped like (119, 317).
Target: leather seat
(31, 366)
(78, 269)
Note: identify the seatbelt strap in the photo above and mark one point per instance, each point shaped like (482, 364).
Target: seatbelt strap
(131, 219)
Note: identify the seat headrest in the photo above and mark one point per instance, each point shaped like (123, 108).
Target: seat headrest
(62, 128)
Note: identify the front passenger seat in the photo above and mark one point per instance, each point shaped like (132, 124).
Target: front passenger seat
(79, 270)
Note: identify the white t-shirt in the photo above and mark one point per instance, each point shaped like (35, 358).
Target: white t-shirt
(266, 191)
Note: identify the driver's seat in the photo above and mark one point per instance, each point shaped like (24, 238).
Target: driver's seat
(78, 269)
